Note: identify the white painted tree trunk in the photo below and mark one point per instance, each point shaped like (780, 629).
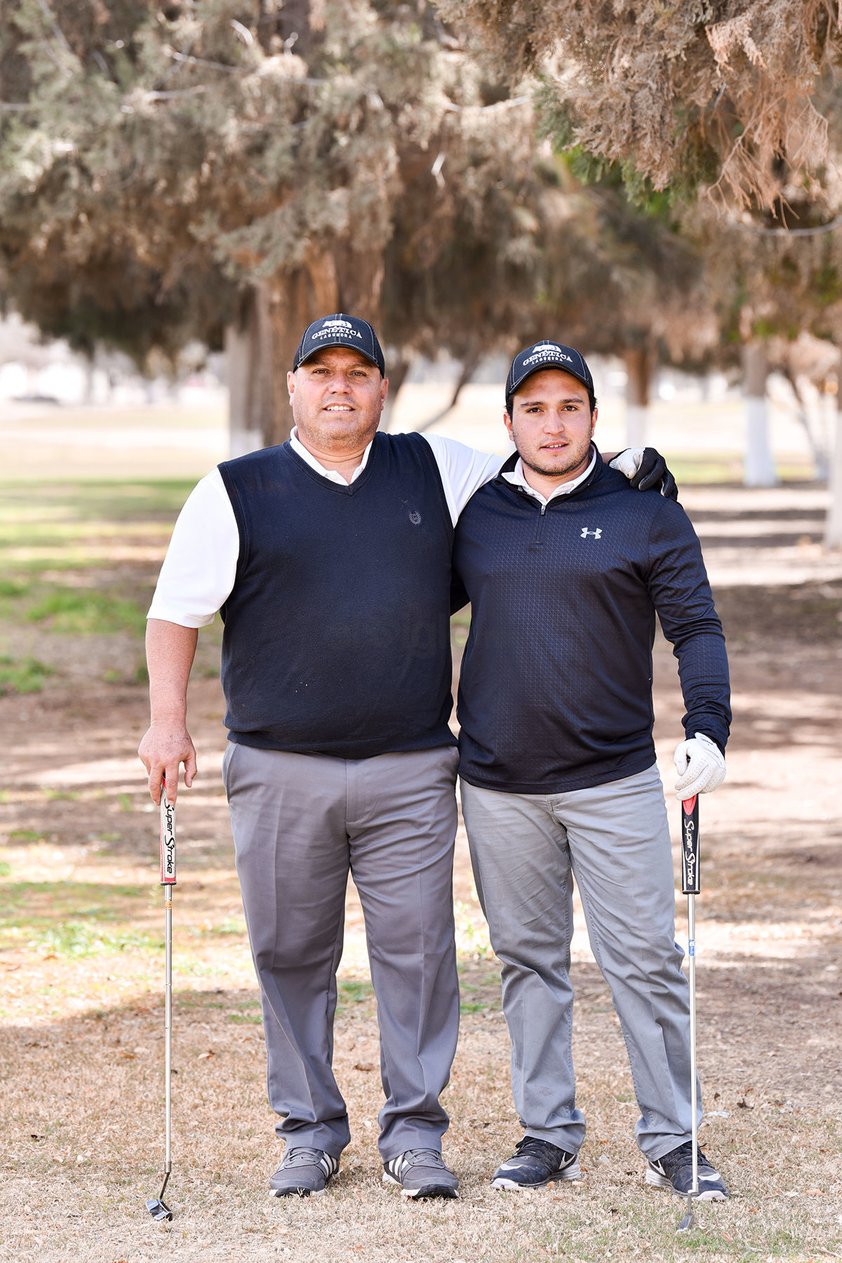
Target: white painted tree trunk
(833, 530)
(636, 419)
(247, 359)
(758, 464)
(639, 364)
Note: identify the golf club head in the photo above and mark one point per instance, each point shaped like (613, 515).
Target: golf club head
(688, 1221)
(159, 1210)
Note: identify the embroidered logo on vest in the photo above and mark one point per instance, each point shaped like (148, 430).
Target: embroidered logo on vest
(597, 534)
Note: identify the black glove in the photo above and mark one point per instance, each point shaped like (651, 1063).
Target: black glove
(654, 475)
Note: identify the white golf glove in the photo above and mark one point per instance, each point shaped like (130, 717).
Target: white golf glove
(700, 765)
(628, 461)
(646, 470)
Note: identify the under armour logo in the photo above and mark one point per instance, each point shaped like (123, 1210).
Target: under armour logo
(415, 517)
(597, 534)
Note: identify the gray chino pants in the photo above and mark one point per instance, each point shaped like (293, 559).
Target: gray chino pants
(614, 839)
(301, 823)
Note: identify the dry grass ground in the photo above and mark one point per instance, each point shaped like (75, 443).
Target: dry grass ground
(81, 963)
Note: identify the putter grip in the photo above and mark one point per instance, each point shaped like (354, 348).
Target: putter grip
(167, 840)
(690, 863)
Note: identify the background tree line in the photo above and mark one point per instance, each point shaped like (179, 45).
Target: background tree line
(656, 180)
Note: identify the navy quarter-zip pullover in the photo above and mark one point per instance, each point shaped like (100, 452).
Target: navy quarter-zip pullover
(556, 683)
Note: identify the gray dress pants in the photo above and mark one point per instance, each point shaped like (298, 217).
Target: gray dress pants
(526, 850)
(301, 823)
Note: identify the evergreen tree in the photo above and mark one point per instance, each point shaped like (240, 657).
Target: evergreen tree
(727, 96)
(167, 171)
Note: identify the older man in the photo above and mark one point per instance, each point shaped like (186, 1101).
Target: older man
(329, 559)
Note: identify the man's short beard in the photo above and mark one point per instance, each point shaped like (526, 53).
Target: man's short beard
(557, 471)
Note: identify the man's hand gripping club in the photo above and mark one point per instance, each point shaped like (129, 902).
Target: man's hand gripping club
(166, 745)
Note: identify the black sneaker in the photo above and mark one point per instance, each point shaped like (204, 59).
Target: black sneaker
(675, 1171)
(535, 1163)
(303, 1173)
(421, 1173)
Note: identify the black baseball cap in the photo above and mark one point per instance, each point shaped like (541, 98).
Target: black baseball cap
(340, 330)
(541, 355)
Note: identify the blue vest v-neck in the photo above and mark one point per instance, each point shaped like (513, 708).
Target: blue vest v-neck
(337, 637)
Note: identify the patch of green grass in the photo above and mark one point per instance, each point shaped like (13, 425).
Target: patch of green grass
(79, 612)
(13, 588)
(26, 835)
(22, 675)
(5, 868)
(480, 997)
(37, 905)
(87, 938)
(86, 500)
(352, 991)
(234, 925)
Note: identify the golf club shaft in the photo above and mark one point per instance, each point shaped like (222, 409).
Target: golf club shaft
(694, 1102)
(168, 880)
(691, 881)
(167, 1029)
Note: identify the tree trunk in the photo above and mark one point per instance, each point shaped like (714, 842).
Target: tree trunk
(466, 372)
(248, 355)
(833, 531)
(294, 300)
(639, 362)
(397, 373)
(262, 345)
(815, 442)
(89, 388)
(758, 464)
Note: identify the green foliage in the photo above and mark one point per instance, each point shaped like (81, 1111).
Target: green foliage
(166, 161)
(22, 675)
(699, 96)
(162, 158)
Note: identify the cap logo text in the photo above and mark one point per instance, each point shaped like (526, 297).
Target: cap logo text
(545, 351)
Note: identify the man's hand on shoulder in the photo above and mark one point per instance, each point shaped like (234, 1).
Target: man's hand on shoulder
(646, 470)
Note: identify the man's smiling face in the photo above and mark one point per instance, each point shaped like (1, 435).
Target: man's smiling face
(337, 397)
(551, 425)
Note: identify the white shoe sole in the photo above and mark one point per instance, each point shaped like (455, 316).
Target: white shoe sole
(431, 1190)
(573, 1172)
(655, 1180)
(296, 1192)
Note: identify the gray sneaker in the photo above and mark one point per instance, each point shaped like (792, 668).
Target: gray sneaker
(421, 1173)
(303, 1173)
